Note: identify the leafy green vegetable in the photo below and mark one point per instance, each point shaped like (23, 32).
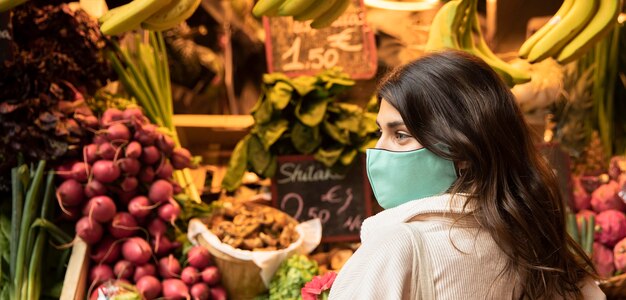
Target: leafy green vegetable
(259, 157)
(328, 157)
(271, 132)
(306, 139)
(291, 276)
(263, 114)
(338, 134)
(236, 166)
(275, 77)
(348, 156)
(280, 95)
(311, 113)
(304, 84)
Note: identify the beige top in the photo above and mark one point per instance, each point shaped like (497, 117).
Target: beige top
(385, 266)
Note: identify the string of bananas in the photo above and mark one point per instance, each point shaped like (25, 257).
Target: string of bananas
(322, 12)
(456, 26)
(156, 15)
(576, 27)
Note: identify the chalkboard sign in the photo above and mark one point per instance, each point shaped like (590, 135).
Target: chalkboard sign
(305, 189)
(5, 36)
(294, 48)
(559, 161)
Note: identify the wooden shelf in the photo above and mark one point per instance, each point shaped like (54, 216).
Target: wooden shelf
(235, 122)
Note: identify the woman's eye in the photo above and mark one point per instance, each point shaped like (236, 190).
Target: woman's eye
(402, 136)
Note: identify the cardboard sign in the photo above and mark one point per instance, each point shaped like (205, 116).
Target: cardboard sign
(305, 189)
(294, 48)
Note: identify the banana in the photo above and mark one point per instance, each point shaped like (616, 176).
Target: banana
(131, 16)
(331, 15)
(171, 15)
(8, 4)
(603, 21)
(294, 7)
(571, 24)
(524, 50)
(444, 27)
(107, 15)
(315, 11)
(264, 6)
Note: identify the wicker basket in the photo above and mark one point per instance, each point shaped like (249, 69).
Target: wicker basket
(614, 287)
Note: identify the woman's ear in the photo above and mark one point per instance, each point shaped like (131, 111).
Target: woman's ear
(460, 167)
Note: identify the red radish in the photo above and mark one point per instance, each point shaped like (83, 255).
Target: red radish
(99, 140)
(129, 184)
(100, 273)
(149, 287)
(211, 275)
(146, 134)
(189, 275)
(170, 211)
(94, 188)
(165, 170)
(111, 115)
(70, 213)
(144, 270)
(218, 293)
(89, 230)
(176, 188)
(80, 171)
(129, 166)
(100, 208)
(146, 175)
(150, 155)
(165, 143)
(139, 207)
(90, 153)
(124, 269)
(161, 246)
(105, 171)
(133, 113)
(90, 122)
(106, 251)
(137, 251)
(199, 257)
(125, 197)
(133, 150)
(64, 170)
(106, 151)
(200, 291)
(169, 267)
(160, 191)
(181, 158)
(118, 132)
(175, 289)
(157, 227)
(123, 225)
(70, 193)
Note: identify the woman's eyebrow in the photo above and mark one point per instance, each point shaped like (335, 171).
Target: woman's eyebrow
(392, 124)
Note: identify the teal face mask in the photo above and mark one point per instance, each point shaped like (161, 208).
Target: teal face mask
(399, 177)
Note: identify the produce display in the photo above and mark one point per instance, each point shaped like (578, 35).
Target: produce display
(290, 277)
(322, 12)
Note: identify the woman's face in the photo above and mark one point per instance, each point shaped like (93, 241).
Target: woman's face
(394, 135)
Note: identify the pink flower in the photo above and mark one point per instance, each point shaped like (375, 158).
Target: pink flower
(318, 286)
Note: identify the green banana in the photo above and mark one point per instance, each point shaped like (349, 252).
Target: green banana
(315, 11)
(131, 16)
(264, 6)
(571, 24)
(331, 15)
(444, 27)
(524, 50)
(9, 4)
(600, 25)
(171, 15)
(294, 7)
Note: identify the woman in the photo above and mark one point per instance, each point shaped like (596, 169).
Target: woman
(471, 209)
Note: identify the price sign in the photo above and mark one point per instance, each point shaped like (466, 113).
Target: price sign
(294, 48)
(5, 37)
(305, 189)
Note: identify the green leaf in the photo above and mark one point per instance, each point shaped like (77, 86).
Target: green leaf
(311, 112)
(348, 157)
(328, 157)
(271, 132)
(272, 78)
(368, 144)
(258, 156)
(304, 84)
(271, 168)
(236, 166)
(306, 139)
(368, 124)
(264, 113)
(373, 105)
(350, 118)
(338, 134)
(280, 95)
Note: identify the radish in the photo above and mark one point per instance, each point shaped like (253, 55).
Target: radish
(146, 134)
(181, 158)
(165, 170)
(129, 166)
(139, 207)
(176, 189)
(149, 287)
(157, 228)
(99, 140)
(105, 171)
(123, 225)
(106, 151)
(175, 289)
(129, 184)
(124, 269)
(169, 267)
(133, 114)
(146, 175)
(133, 150)
(111, 115)
(70, 213)
(150, 155)
(64, 170)
(218, 293)
(170, 211)
(137, 251)
(94, 188)
(100, 273)
(90, 122)
(161, 246)
(200, 291)
(106, 251)
(70, 193)
(199, 257)
(189, 275)
(165, 143)
(118, 132)
(100, 208)
(89, 230)
(211, 275)
(160, 191)
(125, 197)
(90, 153)
(144, 270)
(80, 171)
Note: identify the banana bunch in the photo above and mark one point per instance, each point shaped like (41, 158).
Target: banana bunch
(322, 12)
(575, 28)
(456, 26)
(155, 15)
(8, 4)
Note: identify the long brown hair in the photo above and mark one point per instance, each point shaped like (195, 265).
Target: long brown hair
(456, 100)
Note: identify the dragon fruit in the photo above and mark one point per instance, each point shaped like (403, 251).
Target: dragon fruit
(603, 260)
(617, 166)
(582, 199)
(591, 183)
(583, 214)
(610, 227)
(605, 198)
(619, 256)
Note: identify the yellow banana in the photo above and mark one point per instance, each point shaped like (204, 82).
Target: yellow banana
(524, 50)
(8, 4)
(331, 15)
(171, 15)
(131, 16)
(315, 10)
(444, 27)
(601, 24)
(294, 7)
(107, 15)
(573, 22)
(264, 6)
